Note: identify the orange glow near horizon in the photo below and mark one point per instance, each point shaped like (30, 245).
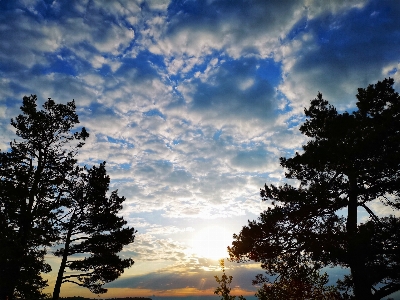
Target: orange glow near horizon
(128, 292)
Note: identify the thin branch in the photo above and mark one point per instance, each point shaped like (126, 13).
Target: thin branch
(64, 216)
(390, 202)
(78, 275)
(80, 284)
(371, 213)
(80, 238)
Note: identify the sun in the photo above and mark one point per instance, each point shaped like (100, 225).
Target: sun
(211, 242)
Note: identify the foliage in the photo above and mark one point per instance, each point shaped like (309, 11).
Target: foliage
(92, 229)
(46, 199)
(349, 161)
(32, 186)
(303, 283)
(224, 288)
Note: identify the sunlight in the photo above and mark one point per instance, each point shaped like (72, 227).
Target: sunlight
(211, 242)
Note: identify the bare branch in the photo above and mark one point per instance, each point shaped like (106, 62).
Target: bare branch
(78, 275)
(371, 213)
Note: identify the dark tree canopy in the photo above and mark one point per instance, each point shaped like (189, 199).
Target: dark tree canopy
(91, 227)
(303, 283)
(32, 177)
(349, 161)
(47, 199)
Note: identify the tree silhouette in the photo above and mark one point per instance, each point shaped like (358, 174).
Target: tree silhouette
(349, 161)
(224, 289)
(32, 187)
(302, 283)
(92, 228)
(46, 199)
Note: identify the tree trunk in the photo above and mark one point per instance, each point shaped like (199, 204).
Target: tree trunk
(57, 286)
(20, 249)
(9, 281)
(25, 223)
(362, 288)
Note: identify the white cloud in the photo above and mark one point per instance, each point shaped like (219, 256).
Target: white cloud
(158, 4)
(381, 210)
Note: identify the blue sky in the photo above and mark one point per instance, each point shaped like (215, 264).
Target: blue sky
(191, 103)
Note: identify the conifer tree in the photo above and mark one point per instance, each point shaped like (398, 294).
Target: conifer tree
(33, 174)
(349, 161)
(92, 228)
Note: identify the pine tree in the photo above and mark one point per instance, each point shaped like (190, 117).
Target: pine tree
(33, 174)
(92, 228)
(349, 161)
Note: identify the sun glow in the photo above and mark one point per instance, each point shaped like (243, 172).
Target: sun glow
(211, 242)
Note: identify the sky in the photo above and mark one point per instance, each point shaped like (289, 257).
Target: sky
(191, 104)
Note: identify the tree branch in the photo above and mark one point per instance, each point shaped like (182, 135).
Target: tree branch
(80, 238)
(371, 213)
(80, 284)
(78, 275)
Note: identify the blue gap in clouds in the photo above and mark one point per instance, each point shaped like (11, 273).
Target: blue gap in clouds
(176, 79)
(120, 142)
(105, 70)
(155, 59)
(44, 9)
(98, 108)
(144, 63)
(270, 70)
(7, 5)
(15, 5)
(191, 9)
(124, 166)
(62, 62)
(154, 112)
(392, 72)
(266, 69)
(21, 90)
(265, 73)
(176, 141)
(217, 134)
(10, 67)
(200, 13)
(12, 103)
(375, 16)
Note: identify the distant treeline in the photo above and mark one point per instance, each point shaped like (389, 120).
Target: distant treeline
(83, 298)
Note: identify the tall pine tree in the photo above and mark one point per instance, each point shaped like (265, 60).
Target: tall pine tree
(349, 161)
(33, 174)
(92, 228)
